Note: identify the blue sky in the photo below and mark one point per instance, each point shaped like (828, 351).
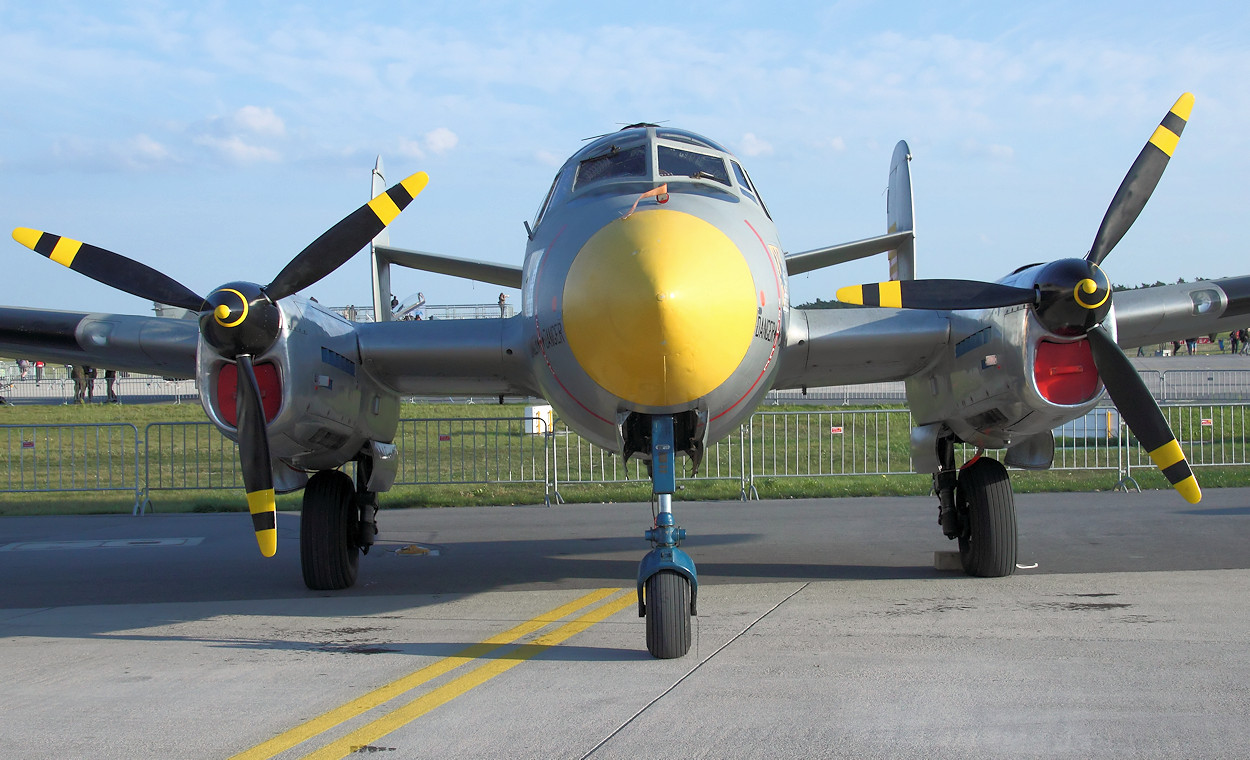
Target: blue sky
(214, 140)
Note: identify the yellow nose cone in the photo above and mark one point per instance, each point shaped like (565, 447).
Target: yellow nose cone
(659, 307)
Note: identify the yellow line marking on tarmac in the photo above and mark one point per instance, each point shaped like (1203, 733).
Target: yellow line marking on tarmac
(387, 692)
(405, 714)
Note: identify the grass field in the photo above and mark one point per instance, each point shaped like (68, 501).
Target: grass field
(481, 454)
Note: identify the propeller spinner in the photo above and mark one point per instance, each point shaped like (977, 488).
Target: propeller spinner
(1072, 297)
(239, 320)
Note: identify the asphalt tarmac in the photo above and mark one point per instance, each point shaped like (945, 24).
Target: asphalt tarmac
(823, 631)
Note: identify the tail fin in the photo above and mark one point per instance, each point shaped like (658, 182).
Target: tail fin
(899, 215)
(381, 267)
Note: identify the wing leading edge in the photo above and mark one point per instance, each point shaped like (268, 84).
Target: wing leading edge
(148, 345)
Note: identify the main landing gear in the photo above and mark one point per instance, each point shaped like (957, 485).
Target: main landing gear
(337, 524)
(976, 507)
(668, 585)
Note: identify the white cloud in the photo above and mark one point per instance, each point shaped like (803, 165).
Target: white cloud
(410, 148)
(235, 150)
(548, 158)
(441, 140)
(992, 151)
(437, 141)
(138, 153)
(753, 146)
(260, 121)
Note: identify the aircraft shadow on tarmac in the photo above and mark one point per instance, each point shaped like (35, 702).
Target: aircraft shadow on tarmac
(503, 549)
(323, 642)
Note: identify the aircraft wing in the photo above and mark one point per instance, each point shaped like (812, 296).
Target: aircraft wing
(149, 345)
(850, 346)
(448, 356)
(1175, 312)
(870, 345)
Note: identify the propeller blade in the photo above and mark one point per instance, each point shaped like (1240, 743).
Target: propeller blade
(936, 294)
(1141, 180)
(254, 457)
(339, 243)
(109, 268)
(1142, 414)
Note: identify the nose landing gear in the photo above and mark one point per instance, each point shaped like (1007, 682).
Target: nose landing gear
(668, 585)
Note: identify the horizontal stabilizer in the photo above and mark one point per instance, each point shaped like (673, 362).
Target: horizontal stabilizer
(818, 258)
(507, 275)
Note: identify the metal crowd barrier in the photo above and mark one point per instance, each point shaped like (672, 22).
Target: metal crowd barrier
(577, 461)
(474, 450)
(136, 388)
(195, 456)
(1172, 385)
(98, 457)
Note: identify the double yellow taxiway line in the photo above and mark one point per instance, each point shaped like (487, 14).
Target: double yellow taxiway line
(407, 712)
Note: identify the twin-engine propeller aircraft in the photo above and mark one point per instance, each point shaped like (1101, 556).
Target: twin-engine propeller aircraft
(654, 317)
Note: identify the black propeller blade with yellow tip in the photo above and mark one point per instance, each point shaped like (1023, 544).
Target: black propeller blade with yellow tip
(1142, 414)
(1141, 179)
(110, 268)
(240, 320)
(339, 243)
(1072, 297)
(936, 294)
(254, 458)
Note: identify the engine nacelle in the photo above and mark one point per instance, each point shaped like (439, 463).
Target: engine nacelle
(322, 407)
(1004, 379)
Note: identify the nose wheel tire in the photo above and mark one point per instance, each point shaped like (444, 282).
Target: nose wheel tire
(328, 549)
(988, 546)
(668, 615)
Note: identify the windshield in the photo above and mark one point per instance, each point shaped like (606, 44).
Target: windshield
(675, 162)
(630, 162)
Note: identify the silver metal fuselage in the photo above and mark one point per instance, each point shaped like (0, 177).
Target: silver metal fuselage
(680, 306)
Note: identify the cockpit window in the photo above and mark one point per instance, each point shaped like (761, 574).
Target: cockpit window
(681, 135)
(675, 162)
(542, 210)
(628, 162)
(747, 188)
(743, 182)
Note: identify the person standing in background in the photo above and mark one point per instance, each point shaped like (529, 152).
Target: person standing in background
(110, 383)
(89, 375)
(80, 381)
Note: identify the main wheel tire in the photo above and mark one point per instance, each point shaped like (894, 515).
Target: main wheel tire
(328, 549)
(668, 615)
(988, 546)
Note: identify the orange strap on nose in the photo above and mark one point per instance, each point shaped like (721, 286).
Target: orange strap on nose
(662, 190)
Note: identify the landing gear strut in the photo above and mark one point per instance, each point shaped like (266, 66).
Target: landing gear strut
(337, 524)
(976, 506)
(668, 585)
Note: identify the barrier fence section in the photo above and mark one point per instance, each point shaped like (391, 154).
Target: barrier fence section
(577, 461)
(195, 456)
(474, 450)
(93, 457)
(188, 456)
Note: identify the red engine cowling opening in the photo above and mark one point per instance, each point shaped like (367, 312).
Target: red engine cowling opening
(270, 391)
(1065, 372)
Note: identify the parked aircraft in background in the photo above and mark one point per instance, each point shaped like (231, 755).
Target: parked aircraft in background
(654, 317)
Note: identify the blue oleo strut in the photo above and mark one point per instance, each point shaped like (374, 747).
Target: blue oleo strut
(664, 536)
